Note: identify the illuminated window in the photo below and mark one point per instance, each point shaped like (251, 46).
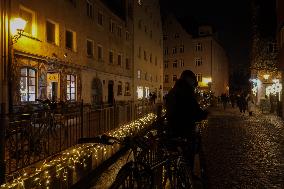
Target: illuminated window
(198, 61)
(28, 83)
(100, 18)
(71, 87)
(119, 88)
(147, 91)
(90, 48)
(90, 9)
(29, 16)
(139, 92)
(138, 74)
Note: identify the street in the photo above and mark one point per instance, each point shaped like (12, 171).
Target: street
(244, 151)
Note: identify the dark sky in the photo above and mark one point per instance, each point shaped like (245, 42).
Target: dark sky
(231, 19)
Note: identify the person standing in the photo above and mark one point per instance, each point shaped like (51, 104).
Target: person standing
(183, 110)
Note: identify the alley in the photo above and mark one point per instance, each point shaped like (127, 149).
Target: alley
(243, 151)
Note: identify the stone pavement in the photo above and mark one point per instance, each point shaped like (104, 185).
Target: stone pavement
(244, 151)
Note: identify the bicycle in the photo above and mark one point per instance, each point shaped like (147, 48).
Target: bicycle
(150, 168)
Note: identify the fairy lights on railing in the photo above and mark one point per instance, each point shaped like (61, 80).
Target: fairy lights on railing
(57, 168)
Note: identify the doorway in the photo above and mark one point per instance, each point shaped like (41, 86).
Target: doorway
(53, 92)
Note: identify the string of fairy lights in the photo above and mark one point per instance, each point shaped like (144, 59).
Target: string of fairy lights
(42, 176)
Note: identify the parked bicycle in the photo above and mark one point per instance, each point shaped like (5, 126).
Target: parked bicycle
(157, 162)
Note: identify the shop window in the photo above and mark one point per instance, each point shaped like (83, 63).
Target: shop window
(71, 87)
(28, 82)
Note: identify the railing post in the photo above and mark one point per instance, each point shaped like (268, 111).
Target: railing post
(82, 118)
(4, 125)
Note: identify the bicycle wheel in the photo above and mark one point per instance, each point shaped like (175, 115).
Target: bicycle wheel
(133, 175)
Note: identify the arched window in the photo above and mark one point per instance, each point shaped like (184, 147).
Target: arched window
(28, 84)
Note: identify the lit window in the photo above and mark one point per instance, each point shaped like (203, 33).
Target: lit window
(138, 74)
(28, 84)
(198, 62)
(119, 88)
(90, 9)
(139, 92)
(71, 87)
(90, 48)
(147, 91)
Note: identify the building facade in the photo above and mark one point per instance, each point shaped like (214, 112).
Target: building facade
(202, 54)
(148, 49)
(70, 50)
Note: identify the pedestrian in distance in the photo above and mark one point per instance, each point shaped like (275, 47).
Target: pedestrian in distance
(183, 110)
(242, 103)
(250, 104)
(224, 100)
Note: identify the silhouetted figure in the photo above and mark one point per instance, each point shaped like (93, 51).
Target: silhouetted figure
(233, 100)
(242, 103)
(224, 100)
(183, 109)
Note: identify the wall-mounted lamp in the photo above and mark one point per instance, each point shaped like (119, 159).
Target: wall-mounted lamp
(266, 76)
(17, 28)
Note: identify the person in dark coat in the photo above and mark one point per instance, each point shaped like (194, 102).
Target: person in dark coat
(182, 108)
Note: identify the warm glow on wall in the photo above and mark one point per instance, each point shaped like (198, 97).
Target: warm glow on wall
(17, 25)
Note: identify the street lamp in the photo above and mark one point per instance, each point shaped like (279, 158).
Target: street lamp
(266, 76)
(17, 28)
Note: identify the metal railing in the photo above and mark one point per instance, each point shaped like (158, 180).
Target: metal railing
(33, 135)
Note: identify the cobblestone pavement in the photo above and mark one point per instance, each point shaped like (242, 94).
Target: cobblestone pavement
(244, 151)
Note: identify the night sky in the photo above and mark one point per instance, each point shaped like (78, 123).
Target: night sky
(232, 22)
